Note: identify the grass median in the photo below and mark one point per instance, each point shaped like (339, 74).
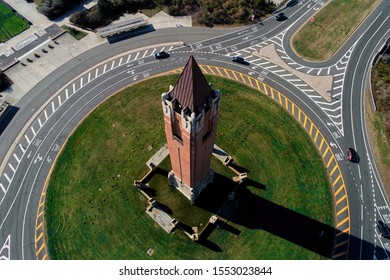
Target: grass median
(94, 212)
(332, 25)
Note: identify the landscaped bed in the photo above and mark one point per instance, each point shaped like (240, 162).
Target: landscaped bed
(10, 23)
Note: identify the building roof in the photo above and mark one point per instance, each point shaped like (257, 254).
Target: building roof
(192, 89)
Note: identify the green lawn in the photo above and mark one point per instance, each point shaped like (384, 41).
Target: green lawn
(10, 24)
(94, 212)
(320, 39)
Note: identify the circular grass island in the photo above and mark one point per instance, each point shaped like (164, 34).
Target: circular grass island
(93, 210)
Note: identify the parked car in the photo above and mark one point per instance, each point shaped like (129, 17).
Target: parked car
(280, 17)
(291, 3)
(383, 229)
(352, 155)
(161, 55)
(238, 59)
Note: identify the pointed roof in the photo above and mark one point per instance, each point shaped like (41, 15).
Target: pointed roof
(192, 89)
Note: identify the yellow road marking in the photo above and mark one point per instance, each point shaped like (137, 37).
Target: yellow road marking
(330, 161)
(341, 243)
(42, 203)
(304, 122)
(335, 181)
(322, 143)
(265, 89)
(209, 67)
(334, 169)
(39, 237)
(219, 71)
(40, 249)
(326, 151)
(234, 74)
(299, 115)
(243, 79)
(341, 254)
(315, 138)
(343, 221)
(44, 257)
(311, 128)
(39, 226)
(340, 199)
(40, 214)
(280, 99)
(345, 231)
(339, 190)
(342, 210)
(292, 109)
(203, 69)
(250, 81)
(227, 73)
(257, 84)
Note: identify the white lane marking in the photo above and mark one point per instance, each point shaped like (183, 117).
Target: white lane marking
(286, 75)
(361, 212)
(112, 65)
(52, 106)
(128, 59)
(16, 157)
(293, 80)
(136, 56)
(22, 148)
(8, 179)
(28, 140)
(153, 51)
(170, 48)
(89, 77)
(12, 168)
(40, 123)
(81, 82)
(340, 74)
(33, 131)
(67, 93)
(104, 68)
(59, 100)
(120, 61)
(6, 247)
(328, 71)
(74, 88)
(2, 188)
(145, 53)
(45, 114)
(97, 73)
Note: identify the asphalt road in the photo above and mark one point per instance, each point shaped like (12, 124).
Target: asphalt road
(48, 114)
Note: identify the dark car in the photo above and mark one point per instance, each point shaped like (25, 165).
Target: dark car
(238, 59)
(280, 17)
(291, 3)
(352, 155)
(383, 229)
(160, 55)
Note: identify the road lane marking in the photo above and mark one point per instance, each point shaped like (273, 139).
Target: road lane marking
(337, 179)
(52, 106)
(128, 59)
(59, 100)
(338, 190)
(343, 222)
(44, 111)
(39, 237)
(33, 130)
(39, 122)
(342, 210)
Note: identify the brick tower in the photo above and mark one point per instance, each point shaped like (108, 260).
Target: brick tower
(191, 111)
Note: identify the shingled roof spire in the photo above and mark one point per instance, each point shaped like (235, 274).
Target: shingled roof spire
(192, 89)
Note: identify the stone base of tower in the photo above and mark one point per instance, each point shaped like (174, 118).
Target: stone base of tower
(190, 193)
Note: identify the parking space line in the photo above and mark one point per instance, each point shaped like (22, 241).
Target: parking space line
(12, 168)
(28, 140)
(33, 130)
(44, 111)
(120, 61)
(128, 59)
(2, 188)
(39, 122)
(16, 157)
(6, 177)
(52, 106)
(81, 82)
(74, 88)
(59, 100)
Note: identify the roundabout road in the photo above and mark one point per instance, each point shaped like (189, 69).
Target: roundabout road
(49, 113)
